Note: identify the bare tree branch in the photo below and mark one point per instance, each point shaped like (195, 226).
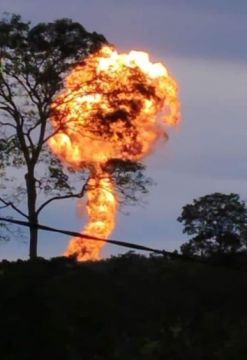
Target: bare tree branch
(10, 204)
(69, 196)
(8, 97)
(33, 127)
(28, 90)
(51, 135)
(7, 124)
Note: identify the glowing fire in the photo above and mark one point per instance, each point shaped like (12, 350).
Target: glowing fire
(113, 106)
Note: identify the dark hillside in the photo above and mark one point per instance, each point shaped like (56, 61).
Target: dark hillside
(128, 307)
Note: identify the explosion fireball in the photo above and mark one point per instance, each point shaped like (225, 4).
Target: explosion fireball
(112, 106)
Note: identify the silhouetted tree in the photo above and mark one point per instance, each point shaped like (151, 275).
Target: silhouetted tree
(33, 62)
(218, 224)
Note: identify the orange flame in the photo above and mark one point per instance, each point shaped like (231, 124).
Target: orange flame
(113, 106)
(101, 208)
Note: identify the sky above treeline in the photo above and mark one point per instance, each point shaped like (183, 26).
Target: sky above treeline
(203, 44)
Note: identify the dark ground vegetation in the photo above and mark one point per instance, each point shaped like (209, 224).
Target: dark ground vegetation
(127, 307)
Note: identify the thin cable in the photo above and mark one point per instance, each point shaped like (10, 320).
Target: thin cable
(84, 236)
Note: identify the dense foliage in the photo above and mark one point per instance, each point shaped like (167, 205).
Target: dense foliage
(33, 63)
(217, 223)
(127, 307)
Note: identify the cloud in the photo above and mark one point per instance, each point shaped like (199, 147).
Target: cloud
(191, 28)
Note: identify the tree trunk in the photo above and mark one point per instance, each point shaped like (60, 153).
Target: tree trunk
(33, 239)
(33, 219)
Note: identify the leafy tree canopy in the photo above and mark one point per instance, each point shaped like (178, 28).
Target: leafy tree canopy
(218, 224)
(34, 61)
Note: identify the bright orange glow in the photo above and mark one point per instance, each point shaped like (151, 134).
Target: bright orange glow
(101, 208)
(113, 106)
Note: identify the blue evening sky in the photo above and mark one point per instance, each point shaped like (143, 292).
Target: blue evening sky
(204, 45)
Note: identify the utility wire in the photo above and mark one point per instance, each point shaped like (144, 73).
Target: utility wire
(84, 236)
(168, 254)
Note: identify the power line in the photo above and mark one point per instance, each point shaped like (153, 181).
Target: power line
(84, 236)
(168, 254)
